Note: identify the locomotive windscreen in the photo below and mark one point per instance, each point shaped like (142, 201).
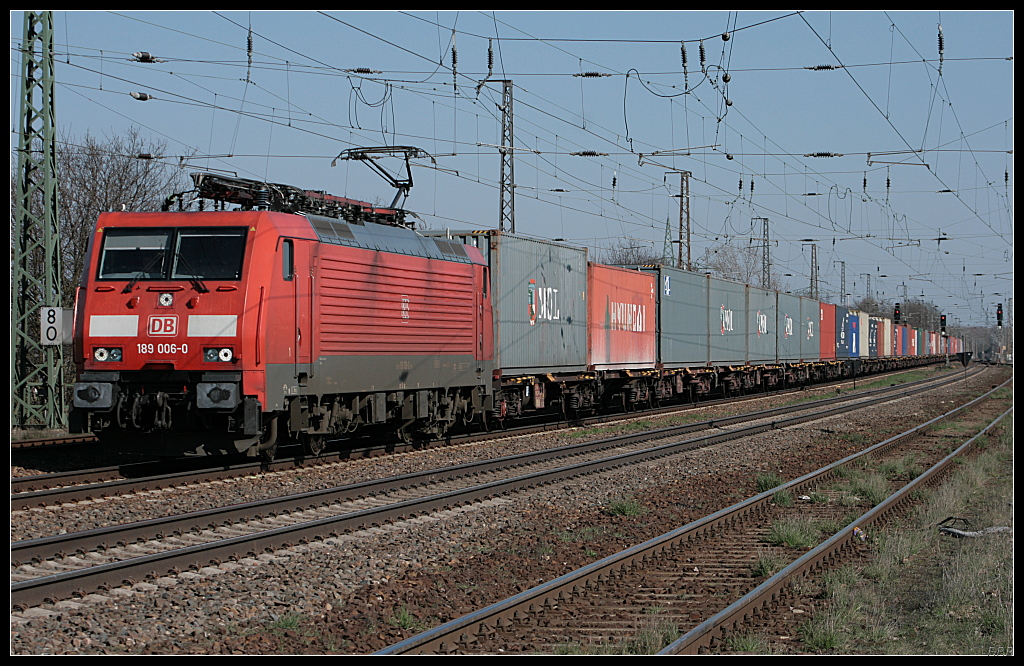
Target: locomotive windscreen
(209, 254)
(172, 254)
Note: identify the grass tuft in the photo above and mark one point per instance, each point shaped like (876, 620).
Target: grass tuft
(767, 481)
(798, 532)
(625, 506)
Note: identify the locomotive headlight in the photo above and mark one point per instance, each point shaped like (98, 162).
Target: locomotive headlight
(166, 299)
(212, 355)
(102, 354)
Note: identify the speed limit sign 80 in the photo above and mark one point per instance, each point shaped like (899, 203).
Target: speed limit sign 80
(55, 326)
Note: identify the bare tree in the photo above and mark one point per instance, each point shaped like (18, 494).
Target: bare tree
(916, 313)
(742, 263)
(874, 307)
(96, 175)
(920, 314)
(629, 252)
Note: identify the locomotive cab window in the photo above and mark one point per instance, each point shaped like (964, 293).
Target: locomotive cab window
(133, 253)
(209, 254)
(173, 254)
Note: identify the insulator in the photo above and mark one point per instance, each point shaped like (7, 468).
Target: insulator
(490, 58)
(703, 55)
(741, 184)
(591, 75)
(751, 185)
(823, 154)
(818, 68)
(589, 153)
(942, 45)
(248, 70)
(144, 156)
(865, 182)
(142, 97)
(682, 52)
(261, 198)
(144, 56)
(363, 70)
(615, 181)
(455, 57)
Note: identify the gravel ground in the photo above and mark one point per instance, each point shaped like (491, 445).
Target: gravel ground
(360, 592)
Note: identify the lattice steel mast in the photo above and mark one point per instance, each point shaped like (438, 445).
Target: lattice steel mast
(684, 220)
(766, 257)
(36, 388)
(507, 211)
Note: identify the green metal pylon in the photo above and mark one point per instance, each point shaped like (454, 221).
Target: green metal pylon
(37, 398)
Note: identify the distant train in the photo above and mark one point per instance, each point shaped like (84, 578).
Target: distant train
(301, 316)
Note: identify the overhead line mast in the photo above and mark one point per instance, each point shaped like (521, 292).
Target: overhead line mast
(37, 397)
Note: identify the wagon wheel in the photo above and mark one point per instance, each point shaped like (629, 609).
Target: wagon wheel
(404, 435)
(314, 445)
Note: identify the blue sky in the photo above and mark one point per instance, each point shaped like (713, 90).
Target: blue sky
(930, 137)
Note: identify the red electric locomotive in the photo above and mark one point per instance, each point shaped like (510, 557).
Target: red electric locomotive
(299, 315)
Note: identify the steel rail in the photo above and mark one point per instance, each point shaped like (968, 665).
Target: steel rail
(43, 442)
(715, 629)
(55, 546)
(63, 585)
(461, 632)
(105, 482)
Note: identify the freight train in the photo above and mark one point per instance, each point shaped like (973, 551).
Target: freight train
(300, 316)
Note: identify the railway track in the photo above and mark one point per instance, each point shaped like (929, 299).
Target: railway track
(47, 442)
(76, 485)
(28, 447)
(106, 558)
(697, 578)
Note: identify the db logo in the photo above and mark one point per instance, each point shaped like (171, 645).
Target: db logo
(163, 325)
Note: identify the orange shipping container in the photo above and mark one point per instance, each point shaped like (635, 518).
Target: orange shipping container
(622, 315)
